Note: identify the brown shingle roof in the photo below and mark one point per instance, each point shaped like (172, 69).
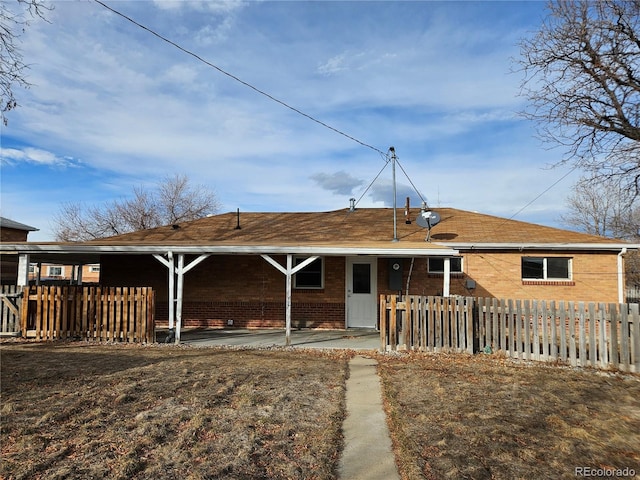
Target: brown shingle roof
(364, 226)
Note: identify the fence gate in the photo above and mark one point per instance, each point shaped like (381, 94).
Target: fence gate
(10, 304)
(118, 314)
(430, 324)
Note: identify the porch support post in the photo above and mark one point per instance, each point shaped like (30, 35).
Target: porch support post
(39, 273)
(289, 271)
(175, 301)
(170, 264)
(23, 270)
(288, 301)
(447, 277)
(181, 270)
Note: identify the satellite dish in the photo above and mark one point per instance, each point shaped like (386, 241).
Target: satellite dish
(427, 219)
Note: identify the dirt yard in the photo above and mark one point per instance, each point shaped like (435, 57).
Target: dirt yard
(161, 412)
(486, 417)
(78, 410)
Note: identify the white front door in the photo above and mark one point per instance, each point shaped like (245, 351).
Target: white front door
(362, 303)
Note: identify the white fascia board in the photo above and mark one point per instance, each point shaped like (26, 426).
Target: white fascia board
(543, 246)
(224, 249)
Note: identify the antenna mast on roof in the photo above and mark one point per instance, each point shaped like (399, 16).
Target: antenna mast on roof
(393, 170)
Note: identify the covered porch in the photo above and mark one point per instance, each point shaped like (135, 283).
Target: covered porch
(179, 260)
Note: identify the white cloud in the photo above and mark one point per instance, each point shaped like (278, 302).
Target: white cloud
(13, 156)
(429, 78)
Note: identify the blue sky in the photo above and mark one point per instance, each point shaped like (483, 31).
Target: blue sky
(112, 107)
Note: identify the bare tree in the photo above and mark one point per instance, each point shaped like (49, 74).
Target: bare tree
(174, 200)
(13, 23)
(601, 207)
(582, 80)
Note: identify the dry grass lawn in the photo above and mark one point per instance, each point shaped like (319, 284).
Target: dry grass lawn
(486, 417)
(77, 410)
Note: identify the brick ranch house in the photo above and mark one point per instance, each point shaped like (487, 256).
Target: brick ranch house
(327, 269)
(11, 231)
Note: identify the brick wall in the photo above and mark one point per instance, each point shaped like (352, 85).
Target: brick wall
(13, 235)
(498, 274)
(251, 292)
(242, 288)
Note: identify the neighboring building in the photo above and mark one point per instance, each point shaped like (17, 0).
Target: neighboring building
(233, 267)
(47, 273)
(11, 231)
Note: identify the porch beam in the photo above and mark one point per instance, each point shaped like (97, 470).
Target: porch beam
(289, 271)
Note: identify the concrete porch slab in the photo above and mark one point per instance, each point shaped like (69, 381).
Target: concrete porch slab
(353, 339)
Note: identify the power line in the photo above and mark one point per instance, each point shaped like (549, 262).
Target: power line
(246, 84)
(296, 110)
(544, 191)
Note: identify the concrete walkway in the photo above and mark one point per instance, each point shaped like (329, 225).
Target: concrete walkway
(367, 453)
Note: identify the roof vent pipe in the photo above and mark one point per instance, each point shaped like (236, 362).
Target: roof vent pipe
(352, 204)
(238, 227)
(407, 207)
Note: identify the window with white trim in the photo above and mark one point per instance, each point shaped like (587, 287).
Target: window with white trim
(436, 264)
(311, 276)
(546, 268)
(54, 271)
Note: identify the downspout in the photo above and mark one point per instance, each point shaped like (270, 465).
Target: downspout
(621, 275)
(409, 276)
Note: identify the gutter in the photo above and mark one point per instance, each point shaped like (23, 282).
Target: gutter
(34, 249)
(541, 246)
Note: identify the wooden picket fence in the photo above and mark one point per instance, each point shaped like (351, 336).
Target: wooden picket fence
(118, 314)
(430, 324)
(10, 301)
(598, 335)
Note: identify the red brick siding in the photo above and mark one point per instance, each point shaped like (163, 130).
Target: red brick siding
(498, 274)
(246, 289)
(13, 235)
(251, 292)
